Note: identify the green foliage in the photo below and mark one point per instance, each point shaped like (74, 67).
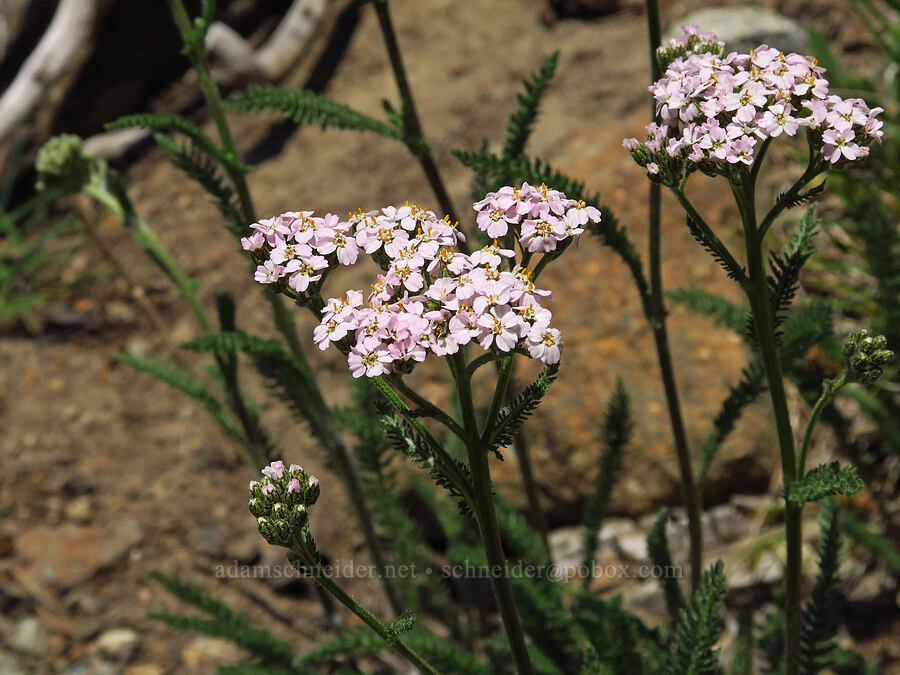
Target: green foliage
(825, 480)
(254, 669)
(305, 107)
(820, 614)
(771, 642)
(403, 623)
(204, 168)
(409, 443)
(700, 235)
(396, 530)
(784, 268)
(618, 638)
(617, 428)
(699, 627)
(222, 621)
(518, 129)
(445, 656)
(722, 311)
(743, 652)
(179, 378)
(170, 122)
(356, 641)
(512, 417)
(661, 557)
(742, 394)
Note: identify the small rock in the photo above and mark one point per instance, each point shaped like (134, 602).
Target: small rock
(203, 654)
(79, 510)
(768, 570)
(118, 644)
(633, 547)
(745, 28)
(69, 554)
(117, 311)
(29, 636)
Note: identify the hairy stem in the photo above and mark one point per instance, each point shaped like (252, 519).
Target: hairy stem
(657, 318)
(763, 321)
(414, 134)
(386, 632)
(487, 520)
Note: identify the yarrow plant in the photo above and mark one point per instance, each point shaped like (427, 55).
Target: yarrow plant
(718, 114)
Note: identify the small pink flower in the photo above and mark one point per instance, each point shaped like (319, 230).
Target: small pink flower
(275, 470)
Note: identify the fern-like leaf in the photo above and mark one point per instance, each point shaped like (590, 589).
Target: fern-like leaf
(172, 123)
(786, 201)
(784, 268)
(697, 232)
(512, 417)
(722, 311)
(409, 443)
(305, 107)
(820, 614)
(201, 167)
(742, 664)
(617, 428)
(699, 627)
(222, 622)
(518, 129)
(661, 557)
(825, 480)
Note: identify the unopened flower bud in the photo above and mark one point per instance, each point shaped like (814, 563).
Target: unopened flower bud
(280, 501)
(866, 356)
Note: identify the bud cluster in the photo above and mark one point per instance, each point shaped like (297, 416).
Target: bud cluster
(866, 356)
(280, 500)
(691, 41)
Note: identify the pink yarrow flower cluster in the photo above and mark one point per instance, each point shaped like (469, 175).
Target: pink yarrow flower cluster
(540, 217)
(717, 110)
(429, 298)
(455, 299)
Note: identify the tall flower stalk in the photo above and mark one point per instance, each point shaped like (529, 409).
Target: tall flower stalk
(432, 299)
(719, 114)
(657, 318)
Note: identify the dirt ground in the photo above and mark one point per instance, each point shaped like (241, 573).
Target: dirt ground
(106, 474)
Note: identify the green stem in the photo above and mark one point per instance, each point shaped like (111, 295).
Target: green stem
(414, 134)
(813, 169)
(656, 316)
(829, 391)
(763, 321)
(499, 395)
(487, 521)
(479, 361)
(426, 405)
(386, 632)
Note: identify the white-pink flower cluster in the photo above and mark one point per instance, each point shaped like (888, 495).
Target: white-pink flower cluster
(429, 298)
(435, 301)
(539, 217)
(718, 109)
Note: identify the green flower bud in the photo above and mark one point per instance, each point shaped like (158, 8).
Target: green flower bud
(63, 165)
(280, 501)
(866, 356)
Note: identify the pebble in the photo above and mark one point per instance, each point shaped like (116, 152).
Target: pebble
(29, 636)
(747, 27)
(203, 653)
(79, 510)
(9, 665)
(118, 644)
